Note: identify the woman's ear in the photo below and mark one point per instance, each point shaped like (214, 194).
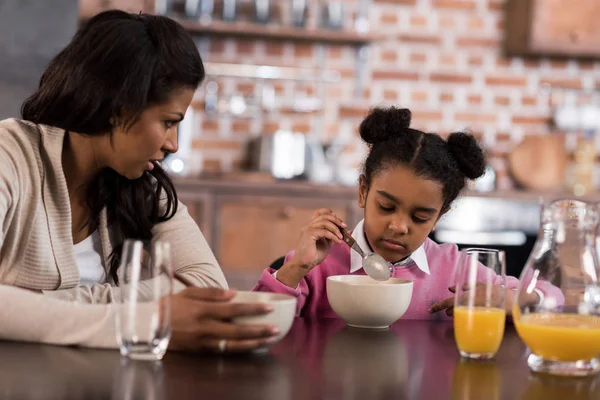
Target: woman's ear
(363, 190)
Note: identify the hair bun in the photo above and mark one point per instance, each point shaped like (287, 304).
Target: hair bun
(467, 152)
(383, 124)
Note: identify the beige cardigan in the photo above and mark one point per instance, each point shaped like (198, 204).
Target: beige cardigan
(36, 247)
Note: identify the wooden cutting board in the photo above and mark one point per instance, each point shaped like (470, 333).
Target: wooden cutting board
(539, 162)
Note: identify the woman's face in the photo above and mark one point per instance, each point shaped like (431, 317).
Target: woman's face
(133, 151)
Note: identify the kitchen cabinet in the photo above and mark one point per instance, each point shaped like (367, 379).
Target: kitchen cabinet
(553, 27)
(253, 231)
(250, 225)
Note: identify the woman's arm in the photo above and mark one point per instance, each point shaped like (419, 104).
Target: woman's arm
(31, 317)
(193, 262)
(198, 316)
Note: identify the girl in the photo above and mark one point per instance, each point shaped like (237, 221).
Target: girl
(80, 173)
(410, 180)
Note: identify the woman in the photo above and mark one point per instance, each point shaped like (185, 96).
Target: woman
(79, 174)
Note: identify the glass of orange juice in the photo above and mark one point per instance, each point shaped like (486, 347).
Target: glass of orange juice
(479, 313)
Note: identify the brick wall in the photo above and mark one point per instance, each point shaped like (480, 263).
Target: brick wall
(443, 59)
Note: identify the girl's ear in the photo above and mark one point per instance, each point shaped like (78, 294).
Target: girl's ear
(363, 190)
(444, 211)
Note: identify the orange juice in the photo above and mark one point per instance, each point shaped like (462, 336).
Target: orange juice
(479, 330)
(561, 337)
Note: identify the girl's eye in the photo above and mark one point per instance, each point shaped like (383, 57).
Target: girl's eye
(170, 124)
(419, 220)
(386, 209)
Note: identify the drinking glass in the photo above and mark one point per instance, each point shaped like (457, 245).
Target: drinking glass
(143, 317)
(479, 313)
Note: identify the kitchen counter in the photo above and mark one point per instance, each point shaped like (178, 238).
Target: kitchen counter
(318, 359)
(260, 184)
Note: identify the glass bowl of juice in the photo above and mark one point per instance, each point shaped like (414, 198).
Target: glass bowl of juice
(557, 305)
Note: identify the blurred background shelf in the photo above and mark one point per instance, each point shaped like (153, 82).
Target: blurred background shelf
(276, 32)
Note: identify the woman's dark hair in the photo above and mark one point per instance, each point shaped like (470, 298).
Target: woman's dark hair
(387, 131)
(117, 65)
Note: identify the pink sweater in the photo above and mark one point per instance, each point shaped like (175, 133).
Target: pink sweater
(427, 288)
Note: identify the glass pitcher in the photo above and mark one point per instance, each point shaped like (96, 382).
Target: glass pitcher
(557, 306)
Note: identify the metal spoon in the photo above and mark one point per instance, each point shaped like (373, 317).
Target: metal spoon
(374, 265)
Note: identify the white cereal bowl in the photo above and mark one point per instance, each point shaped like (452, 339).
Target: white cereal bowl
(366, 303)
(282, 316)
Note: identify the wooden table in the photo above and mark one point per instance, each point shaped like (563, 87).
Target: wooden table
(319, 359)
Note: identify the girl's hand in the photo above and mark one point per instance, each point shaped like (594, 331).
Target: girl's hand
(480, 298)
(313, 246)
(201, 317)
(317, 238)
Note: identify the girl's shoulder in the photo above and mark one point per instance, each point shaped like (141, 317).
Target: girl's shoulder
(443, 255)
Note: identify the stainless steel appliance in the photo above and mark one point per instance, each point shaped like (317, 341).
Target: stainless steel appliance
(283, 154)
(504, 224)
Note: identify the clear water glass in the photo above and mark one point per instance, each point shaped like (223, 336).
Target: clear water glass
(143, 317)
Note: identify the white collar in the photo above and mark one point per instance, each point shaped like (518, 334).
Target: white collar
(418, 256)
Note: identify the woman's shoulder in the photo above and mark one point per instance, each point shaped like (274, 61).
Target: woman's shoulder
(18, 136)
(25, 149)
(20, 127)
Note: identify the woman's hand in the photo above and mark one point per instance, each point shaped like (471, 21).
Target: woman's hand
(201, 318)
(313, 246)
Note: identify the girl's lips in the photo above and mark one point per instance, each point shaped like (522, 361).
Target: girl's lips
(150, 166)
(395, 246)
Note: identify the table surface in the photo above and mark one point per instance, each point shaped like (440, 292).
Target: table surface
(318, 359)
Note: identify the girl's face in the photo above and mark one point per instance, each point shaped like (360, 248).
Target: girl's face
(401, 209)
(132, 151)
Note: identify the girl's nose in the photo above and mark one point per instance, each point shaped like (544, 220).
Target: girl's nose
(399, 226)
